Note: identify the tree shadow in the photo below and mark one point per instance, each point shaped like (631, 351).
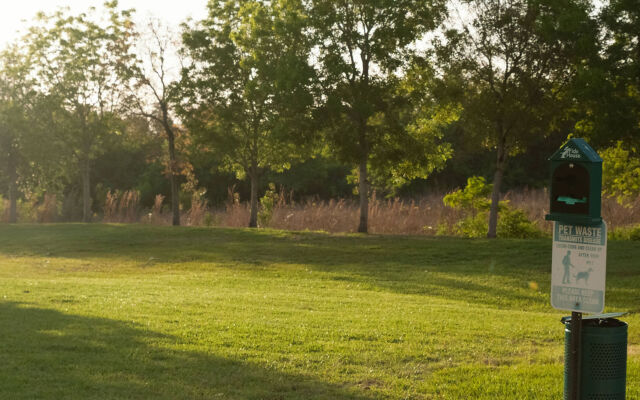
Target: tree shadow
(50, 355)
(256, 247)
(491, 272)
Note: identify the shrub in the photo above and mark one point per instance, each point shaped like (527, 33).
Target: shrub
(267, 204)
(625, 233)
(473, 201)
(209, 219)
(513, 223)
(472, 226)
(27, 211)
(621, 173)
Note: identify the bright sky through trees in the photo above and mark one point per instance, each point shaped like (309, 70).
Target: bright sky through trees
(17, 16)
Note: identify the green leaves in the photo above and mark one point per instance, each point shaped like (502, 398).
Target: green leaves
(609, 91)
(79, 61)
(248, 89)
(621, 172)
(515, 59)
(21, 126)
(472, 198)
(364, 49)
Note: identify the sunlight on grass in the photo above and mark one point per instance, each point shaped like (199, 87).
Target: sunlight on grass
(103, 311)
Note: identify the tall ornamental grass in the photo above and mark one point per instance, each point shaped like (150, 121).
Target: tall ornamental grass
(426, 215)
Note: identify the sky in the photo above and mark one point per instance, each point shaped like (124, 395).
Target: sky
(16, 16)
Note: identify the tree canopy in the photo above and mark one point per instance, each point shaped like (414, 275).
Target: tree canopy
(325, 98)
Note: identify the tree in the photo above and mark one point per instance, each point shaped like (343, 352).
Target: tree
(247, 93)
(16, 94)
(31, 163)
(154, 93)
(80, 61)
(621, 20)
(510, 67)
(363, 46)
(609, 91)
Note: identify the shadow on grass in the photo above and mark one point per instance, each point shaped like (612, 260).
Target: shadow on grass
(492, 272)
(386, 254)
(50, 355)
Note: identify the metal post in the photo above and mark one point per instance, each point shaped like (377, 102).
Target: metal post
(576, 347)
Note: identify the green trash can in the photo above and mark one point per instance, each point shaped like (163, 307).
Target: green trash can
(604, 357)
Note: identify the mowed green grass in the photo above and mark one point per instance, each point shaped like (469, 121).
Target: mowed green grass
(141, 312)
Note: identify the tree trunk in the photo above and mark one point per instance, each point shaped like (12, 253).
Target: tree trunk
(86, 191)
(363, 188)
(495, 194)
(173, 178)
(175, 199)
(13, 191)
(253, 219)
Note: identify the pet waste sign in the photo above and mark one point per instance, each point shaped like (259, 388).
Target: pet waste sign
(578, 268)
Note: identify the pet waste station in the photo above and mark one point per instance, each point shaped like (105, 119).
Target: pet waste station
(596, 345)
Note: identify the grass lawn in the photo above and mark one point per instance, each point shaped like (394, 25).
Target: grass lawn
(142, 312)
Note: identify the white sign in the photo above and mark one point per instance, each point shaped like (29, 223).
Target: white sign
(578, 267)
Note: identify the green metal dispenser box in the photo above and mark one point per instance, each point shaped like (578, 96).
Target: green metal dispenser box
(576, 183)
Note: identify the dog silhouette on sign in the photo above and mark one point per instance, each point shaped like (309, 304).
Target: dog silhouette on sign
(584, 275)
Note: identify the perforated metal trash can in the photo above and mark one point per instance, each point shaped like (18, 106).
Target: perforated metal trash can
(604, 358)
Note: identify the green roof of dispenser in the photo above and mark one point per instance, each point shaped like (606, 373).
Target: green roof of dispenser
(576, 150)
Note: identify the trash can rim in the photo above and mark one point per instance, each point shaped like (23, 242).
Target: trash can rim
(567, 318)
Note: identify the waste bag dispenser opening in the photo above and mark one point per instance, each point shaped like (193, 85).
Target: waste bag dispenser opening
(576, 183)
